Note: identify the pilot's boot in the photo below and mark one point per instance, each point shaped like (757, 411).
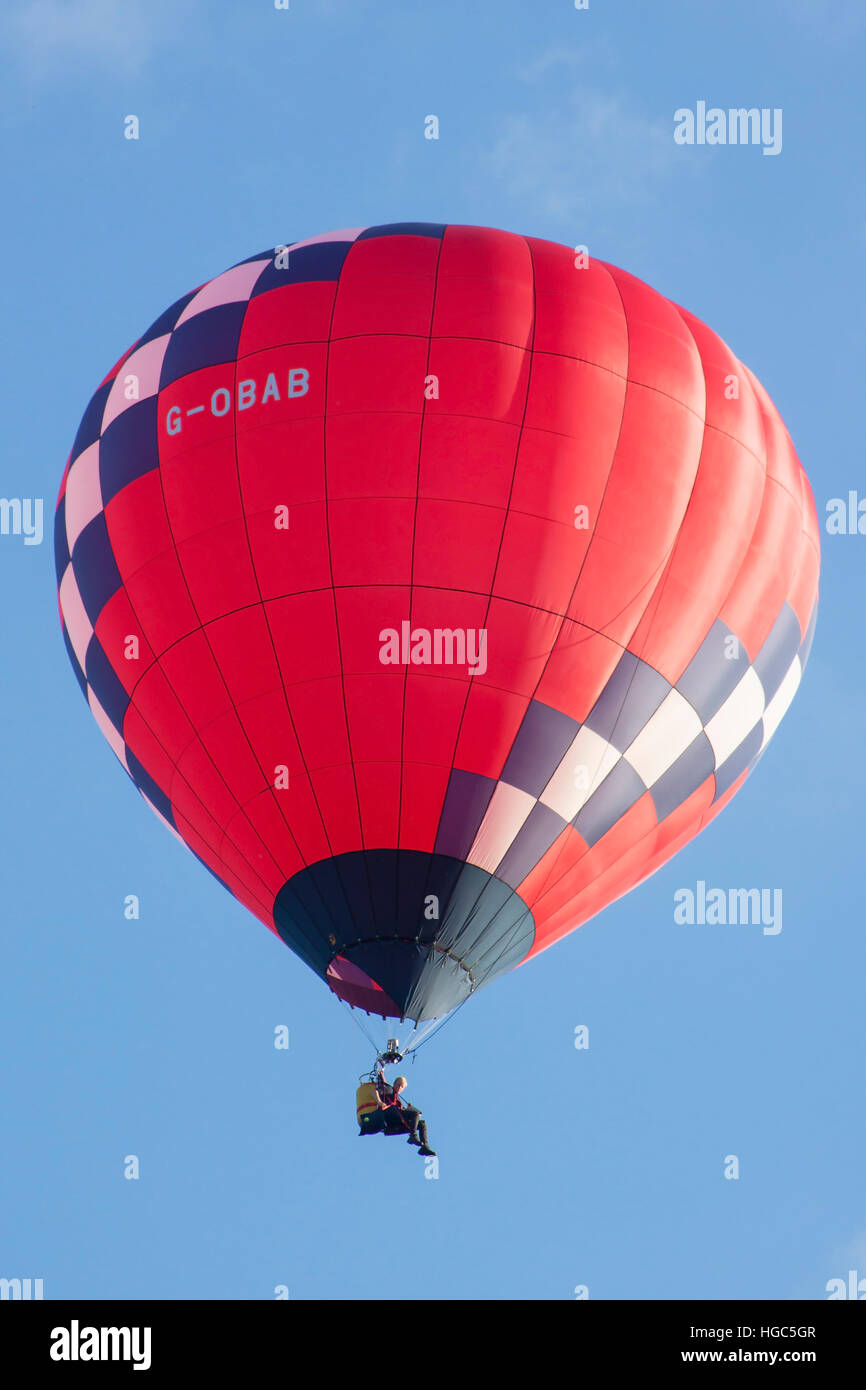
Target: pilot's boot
(424, 1148)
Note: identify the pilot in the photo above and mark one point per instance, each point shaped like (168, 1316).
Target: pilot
(398, 1117)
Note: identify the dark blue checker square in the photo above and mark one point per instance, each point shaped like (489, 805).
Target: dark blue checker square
(694, 765)
(781, 646)
(431, 229)
(129, 448)
(807, 640)
(94, 566)
(206, 340)
(148, 788)
(166, 321)
(530, 844)
(466, 801)
(324, 261)
(105, 684)
(739, 760)
(542, 741)
(61, 545)
(91, 422)
(713, 672)
(70, 652)
(628, 701)
(620, 789)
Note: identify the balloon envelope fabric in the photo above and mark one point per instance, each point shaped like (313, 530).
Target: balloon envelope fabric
(434, 589)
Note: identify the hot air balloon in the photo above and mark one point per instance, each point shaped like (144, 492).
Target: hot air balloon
(434, 590)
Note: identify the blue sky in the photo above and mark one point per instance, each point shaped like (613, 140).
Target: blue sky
(154, 1037)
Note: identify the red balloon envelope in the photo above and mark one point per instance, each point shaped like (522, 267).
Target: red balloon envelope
(434, 590)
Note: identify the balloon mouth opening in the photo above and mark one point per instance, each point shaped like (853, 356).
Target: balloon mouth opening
(354, 986)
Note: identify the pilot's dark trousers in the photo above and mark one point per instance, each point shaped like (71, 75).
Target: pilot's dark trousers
(408, 1119)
